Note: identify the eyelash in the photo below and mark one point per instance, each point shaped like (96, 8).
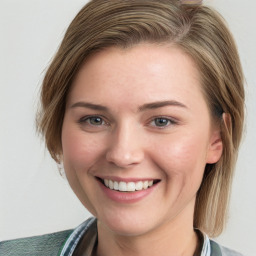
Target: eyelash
(87, 119)
(169, 121)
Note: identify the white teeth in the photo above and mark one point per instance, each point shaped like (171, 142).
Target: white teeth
(128, 186)
(139, 185)
(145, 184)
(106, 182)
(131, 186)
(122, 186)
(111, 184)
(116, 185)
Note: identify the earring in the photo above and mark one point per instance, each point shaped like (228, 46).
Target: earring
(61, 170)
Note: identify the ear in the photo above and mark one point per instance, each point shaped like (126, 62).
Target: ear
(216, 143)
(215, 148)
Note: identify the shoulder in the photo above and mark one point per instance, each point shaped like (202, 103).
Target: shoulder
(49, 244)
(228, 252)
(217, 249)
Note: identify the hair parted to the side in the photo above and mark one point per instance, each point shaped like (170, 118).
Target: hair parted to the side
(196, 29)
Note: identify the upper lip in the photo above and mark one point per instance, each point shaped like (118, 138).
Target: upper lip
(131, 179)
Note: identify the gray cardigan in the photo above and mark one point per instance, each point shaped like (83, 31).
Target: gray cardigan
(52, 244)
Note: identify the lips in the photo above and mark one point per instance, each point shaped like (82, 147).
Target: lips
(130, 186)
(127, 191)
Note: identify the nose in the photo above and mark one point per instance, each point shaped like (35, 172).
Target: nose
(125, 147)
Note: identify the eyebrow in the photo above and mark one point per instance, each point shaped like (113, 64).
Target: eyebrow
(160, 104)
(89, 105)
(144, 107)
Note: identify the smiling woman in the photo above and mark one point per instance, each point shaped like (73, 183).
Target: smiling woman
(152, 136)
(144, 106)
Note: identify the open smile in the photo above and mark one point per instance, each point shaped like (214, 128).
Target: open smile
(130, 186)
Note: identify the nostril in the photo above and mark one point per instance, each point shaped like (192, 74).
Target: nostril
(125, 150)
(124, 159)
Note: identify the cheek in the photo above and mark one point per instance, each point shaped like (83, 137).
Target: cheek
(79, 151)
(183, 157)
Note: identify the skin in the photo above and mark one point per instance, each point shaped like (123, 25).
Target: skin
(127, 142)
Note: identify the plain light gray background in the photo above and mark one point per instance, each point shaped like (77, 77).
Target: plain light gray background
(34, 199)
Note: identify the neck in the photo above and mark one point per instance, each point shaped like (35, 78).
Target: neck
(174, 238)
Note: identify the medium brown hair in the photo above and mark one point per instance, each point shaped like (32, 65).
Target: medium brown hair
(196, 29)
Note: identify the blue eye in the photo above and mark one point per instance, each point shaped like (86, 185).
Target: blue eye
(162, 122)
(93, 120)
(96, 120)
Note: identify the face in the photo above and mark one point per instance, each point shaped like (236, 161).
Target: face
(136, 137)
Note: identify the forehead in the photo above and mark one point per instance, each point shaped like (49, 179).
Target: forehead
(153, 57)
(145, 72)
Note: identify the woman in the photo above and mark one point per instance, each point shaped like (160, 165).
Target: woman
(143, 105)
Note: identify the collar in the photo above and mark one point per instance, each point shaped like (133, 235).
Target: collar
(78, 233)
(206, 249)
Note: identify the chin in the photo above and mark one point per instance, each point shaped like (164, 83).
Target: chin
(129, 226)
